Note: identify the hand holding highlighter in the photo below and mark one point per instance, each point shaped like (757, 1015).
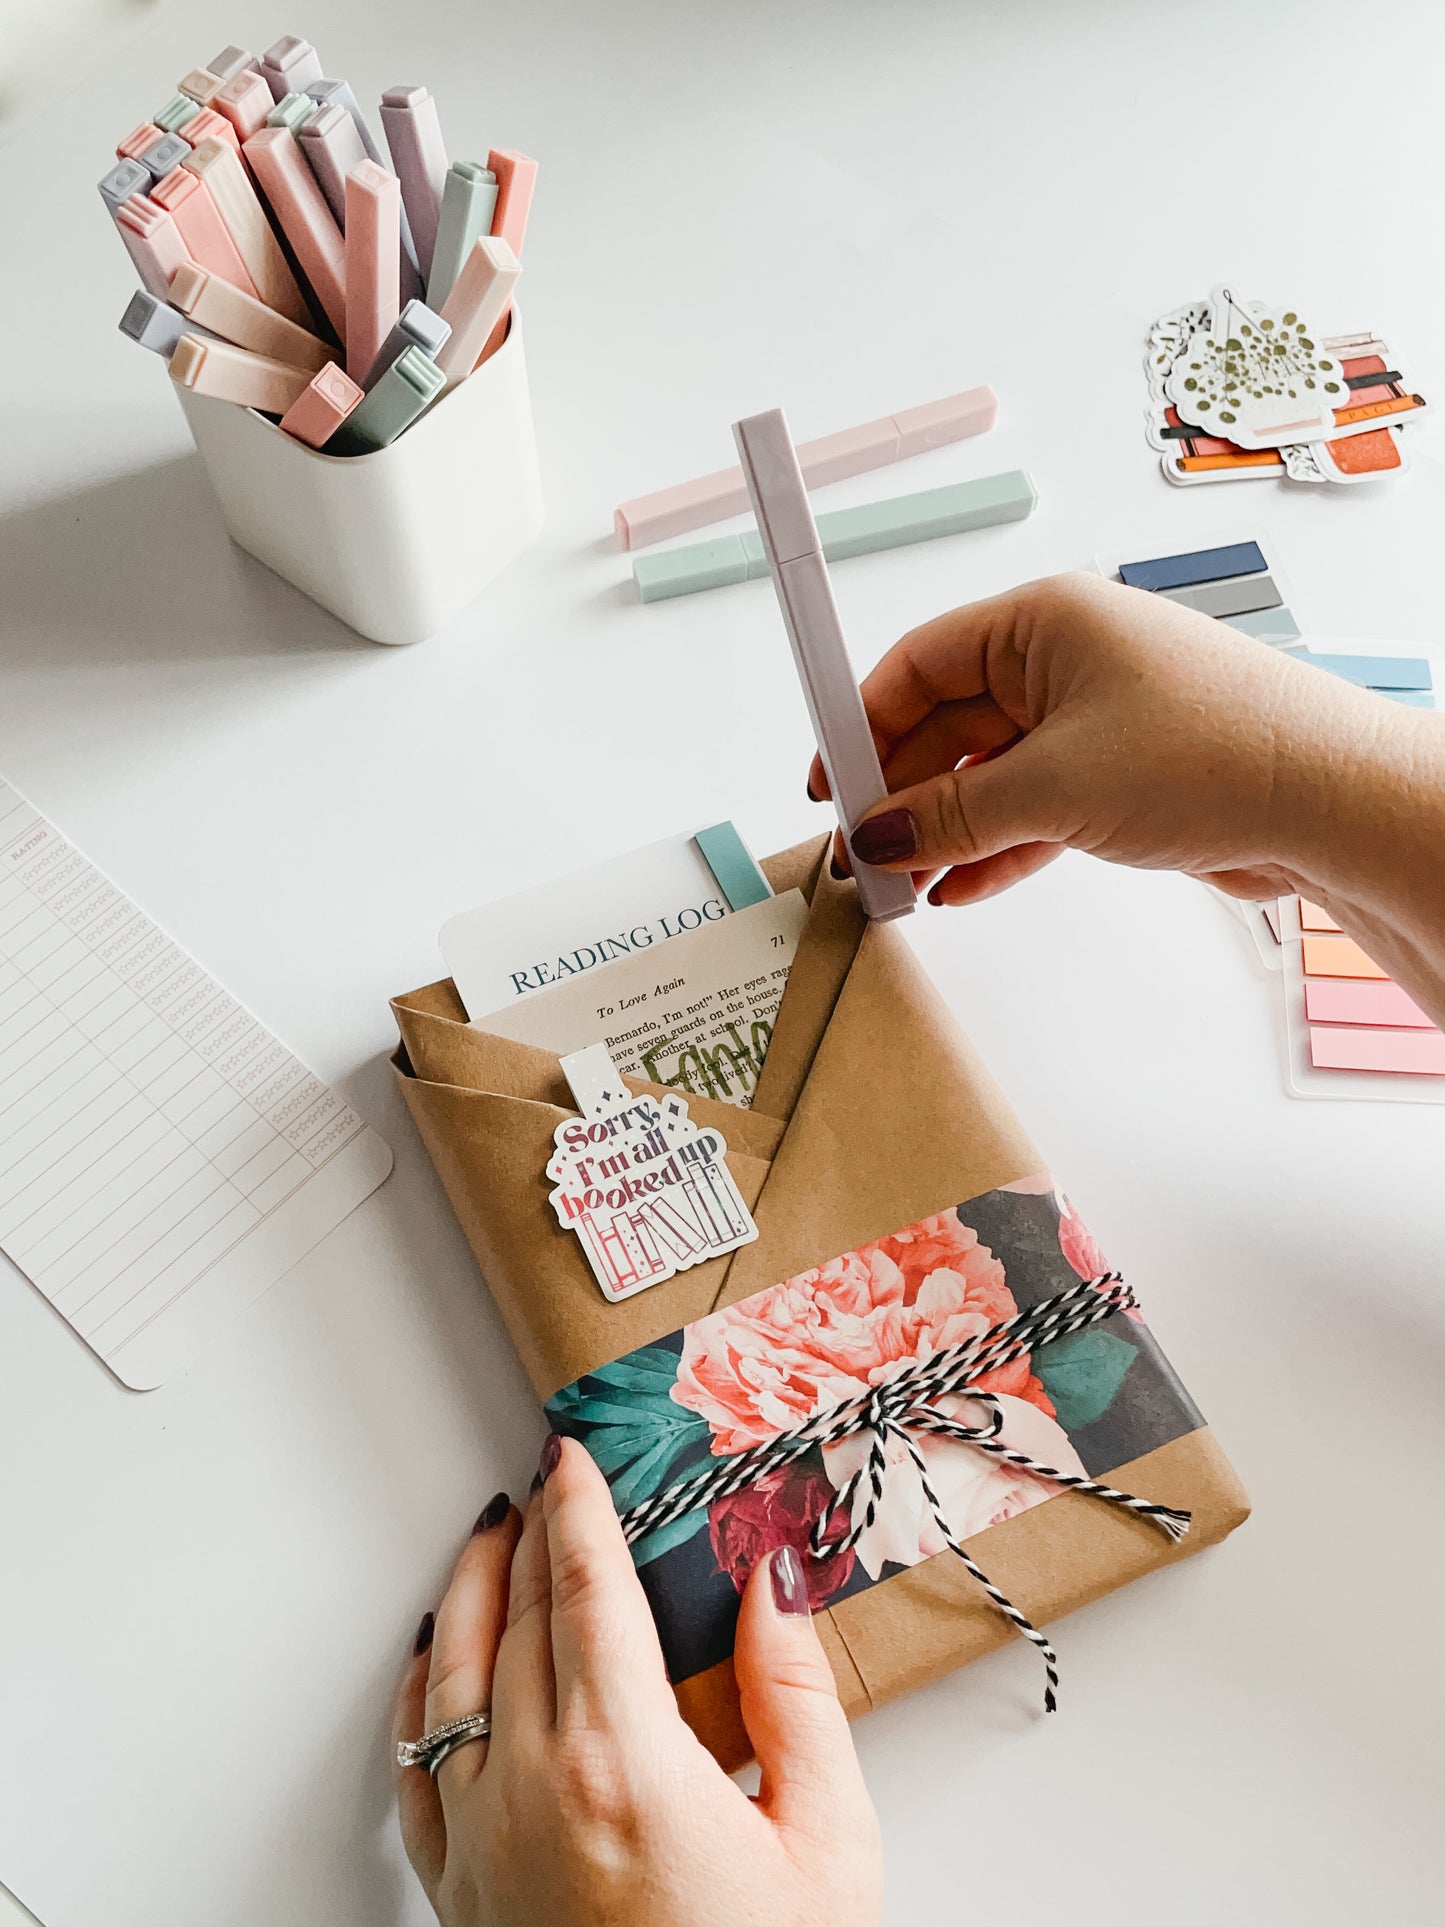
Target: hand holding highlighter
(810, 615)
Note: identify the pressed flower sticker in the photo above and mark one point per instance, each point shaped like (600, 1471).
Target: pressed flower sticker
(1256, 376)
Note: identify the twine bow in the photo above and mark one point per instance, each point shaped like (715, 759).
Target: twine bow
(906, 1405)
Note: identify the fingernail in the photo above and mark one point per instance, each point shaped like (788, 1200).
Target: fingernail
(790, 1588)
(888, 838)
(423, 1635)
(935, 896)
(813, 796)
(492, 1514)
(551, 1452)
(836, 870)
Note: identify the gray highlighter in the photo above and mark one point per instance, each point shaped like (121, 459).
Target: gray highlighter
(337, 93)
(123, 180)
(810, 616)
(162, 155)
(155, 324)
(415, 327)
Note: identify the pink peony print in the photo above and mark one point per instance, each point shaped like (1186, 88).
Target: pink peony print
(1077, 1245)
(765, 1365)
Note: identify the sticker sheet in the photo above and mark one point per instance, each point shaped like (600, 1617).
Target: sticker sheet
(1244, 390)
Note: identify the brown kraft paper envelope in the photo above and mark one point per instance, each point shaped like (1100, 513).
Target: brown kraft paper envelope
(872, 1112)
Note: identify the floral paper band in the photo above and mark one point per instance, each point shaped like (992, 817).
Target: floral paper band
(740, 1378)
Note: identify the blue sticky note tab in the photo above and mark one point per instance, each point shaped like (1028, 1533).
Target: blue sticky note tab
(728, 857)
(1200, 565)
(1375, 672)
(1267, 625)
(1416, 698)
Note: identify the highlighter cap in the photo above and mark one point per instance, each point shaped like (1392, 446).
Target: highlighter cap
(123, 180)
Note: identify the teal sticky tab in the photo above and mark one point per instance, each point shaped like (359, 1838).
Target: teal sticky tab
(1267, 625)
(726, 855)
(1375, 672)
(933, 512)
(701, 565)
(1415, 698)
(176, 112)
(393, 405)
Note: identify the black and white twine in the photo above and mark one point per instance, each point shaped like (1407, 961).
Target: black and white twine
(906, 1404)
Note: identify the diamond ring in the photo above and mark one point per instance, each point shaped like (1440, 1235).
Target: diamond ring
(434, 1747)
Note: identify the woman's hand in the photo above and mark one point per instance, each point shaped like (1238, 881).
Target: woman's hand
(592, 1803)
(1073, 713)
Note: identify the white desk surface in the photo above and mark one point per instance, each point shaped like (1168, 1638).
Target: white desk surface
(846, 209)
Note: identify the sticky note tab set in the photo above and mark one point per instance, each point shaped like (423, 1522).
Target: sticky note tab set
(1235, 579)
(285, 269)
(1243, 391)
(1350, 1031)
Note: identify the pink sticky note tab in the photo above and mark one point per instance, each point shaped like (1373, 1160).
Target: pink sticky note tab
(1381, 1006)
(1406, 1053)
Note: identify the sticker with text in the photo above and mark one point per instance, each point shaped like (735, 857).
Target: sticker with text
(647, 1191)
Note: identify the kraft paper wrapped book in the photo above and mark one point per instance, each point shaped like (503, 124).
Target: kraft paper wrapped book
(872, 1114)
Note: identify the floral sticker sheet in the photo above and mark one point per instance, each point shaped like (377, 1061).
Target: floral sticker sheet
(1087, 1404)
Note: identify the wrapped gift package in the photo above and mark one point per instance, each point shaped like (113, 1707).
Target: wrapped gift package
(901, 1210)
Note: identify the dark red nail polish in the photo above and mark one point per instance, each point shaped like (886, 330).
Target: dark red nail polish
(888, 838)
(423, 1635)
(836, 870)
(813, 796)
(935, 896)
(492, 1514)
(790, 1588)
(551, 1452)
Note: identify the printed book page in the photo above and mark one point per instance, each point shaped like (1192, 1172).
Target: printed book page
(696, 1014)
(557, 932)
(163, 1158)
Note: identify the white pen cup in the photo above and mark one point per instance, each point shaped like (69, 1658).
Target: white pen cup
(396, 542)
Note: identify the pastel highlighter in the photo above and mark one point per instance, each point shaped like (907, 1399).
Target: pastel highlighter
(154, 243)
(245, 102)
(300, 208)
(516, 181)
(373, 263)
(217, 305)
(229, 186)
(322, 406)
(210, 126)
(183, 195)
(233, 374)
(479, 298)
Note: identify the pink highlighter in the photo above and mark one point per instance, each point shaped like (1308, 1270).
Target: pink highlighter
(373, 263)
(300, 209)
(153, 241)
(183, 196)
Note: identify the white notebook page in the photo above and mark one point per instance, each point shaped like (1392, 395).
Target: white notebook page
(163, 1158)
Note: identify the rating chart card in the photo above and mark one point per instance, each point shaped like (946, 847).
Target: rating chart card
(163, 1158)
